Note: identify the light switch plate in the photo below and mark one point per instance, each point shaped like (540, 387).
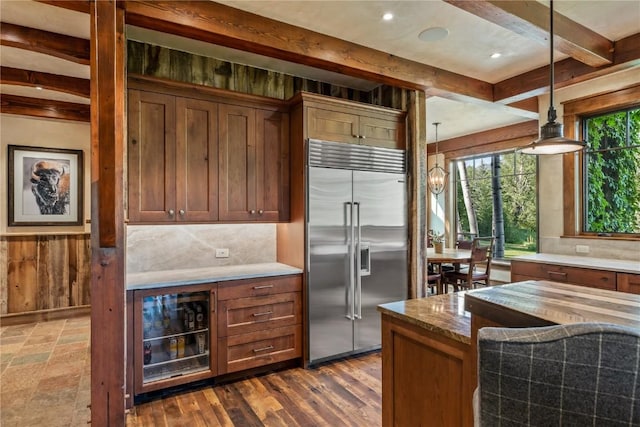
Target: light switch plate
(222, 253)
(582, 249)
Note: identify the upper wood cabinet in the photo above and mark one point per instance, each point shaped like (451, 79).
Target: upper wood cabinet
(172, 153)
(209, 156)
(337, 120)
(254, 164)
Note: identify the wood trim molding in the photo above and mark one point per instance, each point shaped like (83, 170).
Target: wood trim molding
(66, 84)
(72, 49)
(492, 140)
(45, 108)
(594, 104)
(45, 315)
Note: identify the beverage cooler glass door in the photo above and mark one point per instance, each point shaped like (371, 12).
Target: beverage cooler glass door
(175, 336)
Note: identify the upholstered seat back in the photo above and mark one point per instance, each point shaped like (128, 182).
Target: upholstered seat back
(584, 374)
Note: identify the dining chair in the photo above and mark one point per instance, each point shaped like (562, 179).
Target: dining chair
(465, 240)
(580, 374)
(479, 269)
(433, 282)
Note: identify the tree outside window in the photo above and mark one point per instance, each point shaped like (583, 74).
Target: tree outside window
(612, 172)
(496, 195)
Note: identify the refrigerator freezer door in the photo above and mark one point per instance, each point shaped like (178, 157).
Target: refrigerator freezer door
(331, 265)
(382, 202)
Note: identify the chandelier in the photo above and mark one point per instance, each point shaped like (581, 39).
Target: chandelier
(437, 176)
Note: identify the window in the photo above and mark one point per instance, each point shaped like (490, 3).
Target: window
(611, 170)
(501, 190)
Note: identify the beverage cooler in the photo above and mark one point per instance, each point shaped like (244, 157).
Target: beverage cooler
(173, 340)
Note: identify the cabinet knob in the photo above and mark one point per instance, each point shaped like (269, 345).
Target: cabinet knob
(260, 211)
(170, 212)
(252, 211)
(362, 137)
(181, 212)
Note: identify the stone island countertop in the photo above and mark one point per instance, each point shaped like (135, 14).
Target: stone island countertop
(193, 276)
(441, 314)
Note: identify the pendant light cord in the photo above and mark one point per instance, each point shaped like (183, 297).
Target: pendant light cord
(551, 116)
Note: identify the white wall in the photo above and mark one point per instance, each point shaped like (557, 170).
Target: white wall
(550, 179)
(35, 132)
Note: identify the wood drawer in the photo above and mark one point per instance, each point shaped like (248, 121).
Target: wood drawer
(628, 283)
(259, 287)
(240, 352)
(578, 276)
(244, 315)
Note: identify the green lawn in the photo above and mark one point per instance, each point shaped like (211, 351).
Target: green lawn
(515, 249)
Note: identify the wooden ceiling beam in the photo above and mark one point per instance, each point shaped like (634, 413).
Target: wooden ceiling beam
(66, 84)
(531, 20)
(493, 136)
(45, 108)
(83, 6)
(223, 25)
(72, 49)
(566, 73)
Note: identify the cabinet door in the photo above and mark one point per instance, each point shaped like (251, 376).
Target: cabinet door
(196, 160)
(151, 157)
(382, 132)
(237, 163)
(272, 165)
(628, 283)
(175, 336)
(332, 126)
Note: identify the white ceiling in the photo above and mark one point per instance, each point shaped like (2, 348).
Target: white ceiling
(466, 50)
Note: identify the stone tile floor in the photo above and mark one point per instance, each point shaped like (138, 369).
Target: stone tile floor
(45, 373)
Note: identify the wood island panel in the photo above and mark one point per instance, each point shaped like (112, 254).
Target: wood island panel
(426, 362)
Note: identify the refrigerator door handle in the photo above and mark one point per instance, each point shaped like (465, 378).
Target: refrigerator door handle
(349, 303)
(358, 293)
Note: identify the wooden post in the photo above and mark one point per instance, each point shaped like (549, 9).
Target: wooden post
(107, 210)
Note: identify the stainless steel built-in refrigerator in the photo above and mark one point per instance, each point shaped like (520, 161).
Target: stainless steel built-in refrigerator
(356, 244)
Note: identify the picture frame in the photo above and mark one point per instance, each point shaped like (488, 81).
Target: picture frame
(44, 186)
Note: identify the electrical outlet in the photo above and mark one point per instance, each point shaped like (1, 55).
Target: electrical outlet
(222, 253)
(582, 249)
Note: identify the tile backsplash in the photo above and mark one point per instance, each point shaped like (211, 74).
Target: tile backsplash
(169, 247)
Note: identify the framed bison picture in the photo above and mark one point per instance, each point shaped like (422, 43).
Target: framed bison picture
(45, 186)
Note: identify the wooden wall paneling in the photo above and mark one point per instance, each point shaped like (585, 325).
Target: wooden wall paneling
(4, 282)
(79, 247)
(22, 274)
(107, 214)
(52, 275)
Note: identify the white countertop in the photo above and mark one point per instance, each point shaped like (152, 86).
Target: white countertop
(617, 265)
(193, 276)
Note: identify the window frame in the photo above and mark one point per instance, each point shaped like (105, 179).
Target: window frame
(573, 171)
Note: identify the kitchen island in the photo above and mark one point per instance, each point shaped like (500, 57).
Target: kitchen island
(429, 365)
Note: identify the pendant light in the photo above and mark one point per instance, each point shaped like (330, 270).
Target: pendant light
(552, 140)
(437, 176)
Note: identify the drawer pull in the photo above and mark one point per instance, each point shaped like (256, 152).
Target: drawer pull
(266, 313)
(557, 274)
(258, 350)
(263, 287)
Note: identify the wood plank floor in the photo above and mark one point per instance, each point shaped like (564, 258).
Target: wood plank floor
(346, 392)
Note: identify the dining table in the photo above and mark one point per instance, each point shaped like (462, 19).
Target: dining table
(447, 256)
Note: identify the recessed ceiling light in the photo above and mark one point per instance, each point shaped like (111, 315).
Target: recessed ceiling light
(496, 55)
(387, 16)
(433, 34)
(39, 87)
